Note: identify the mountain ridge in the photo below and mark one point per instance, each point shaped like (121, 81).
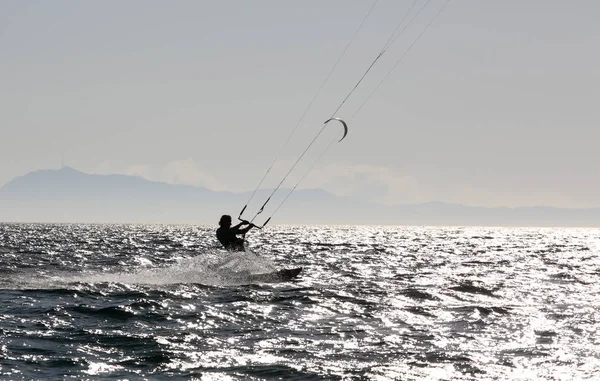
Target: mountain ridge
(69, 195)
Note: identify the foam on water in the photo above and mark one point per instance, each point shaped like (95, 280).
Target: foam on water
(213, 267)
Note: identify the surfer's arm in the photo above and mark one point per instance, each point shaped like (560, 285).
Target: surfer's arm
(246, 229)
(236, 229)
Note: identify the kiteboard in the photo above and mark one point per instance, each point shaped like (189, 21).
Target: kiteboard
(284, 275)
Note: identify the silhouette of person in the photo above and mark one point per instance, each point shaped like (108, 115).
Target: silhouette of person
(227, 235)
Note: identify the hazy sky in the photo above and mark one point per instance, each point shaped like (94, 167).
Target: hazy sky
(497, 104)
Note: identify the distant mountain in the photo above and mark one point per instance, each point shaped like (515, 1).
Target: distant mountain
(68, 195)
(70, 184)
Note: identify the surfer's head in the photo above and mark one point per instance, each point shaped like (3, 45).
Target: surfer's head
(225, 220)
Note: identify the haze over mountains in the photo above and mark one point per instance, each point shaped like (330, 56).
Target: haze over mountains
(68, 195)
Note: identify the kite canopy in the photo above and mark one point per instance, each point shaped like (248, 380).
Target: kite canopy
(343, 123)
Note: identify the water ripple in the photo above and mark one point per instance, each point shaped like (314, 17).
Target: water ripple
(154, 302)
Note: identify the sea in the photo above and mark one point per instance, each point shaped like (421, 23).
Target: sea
(165, 302)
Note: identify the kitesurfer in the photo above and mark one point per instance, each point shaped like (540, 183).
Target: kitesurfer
(227, 235)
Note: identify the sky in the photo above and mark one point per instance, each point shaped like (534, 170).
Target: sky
(495, 105)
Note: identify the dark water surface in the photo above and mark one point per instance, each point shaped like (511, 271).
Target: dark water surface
(108, 302)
